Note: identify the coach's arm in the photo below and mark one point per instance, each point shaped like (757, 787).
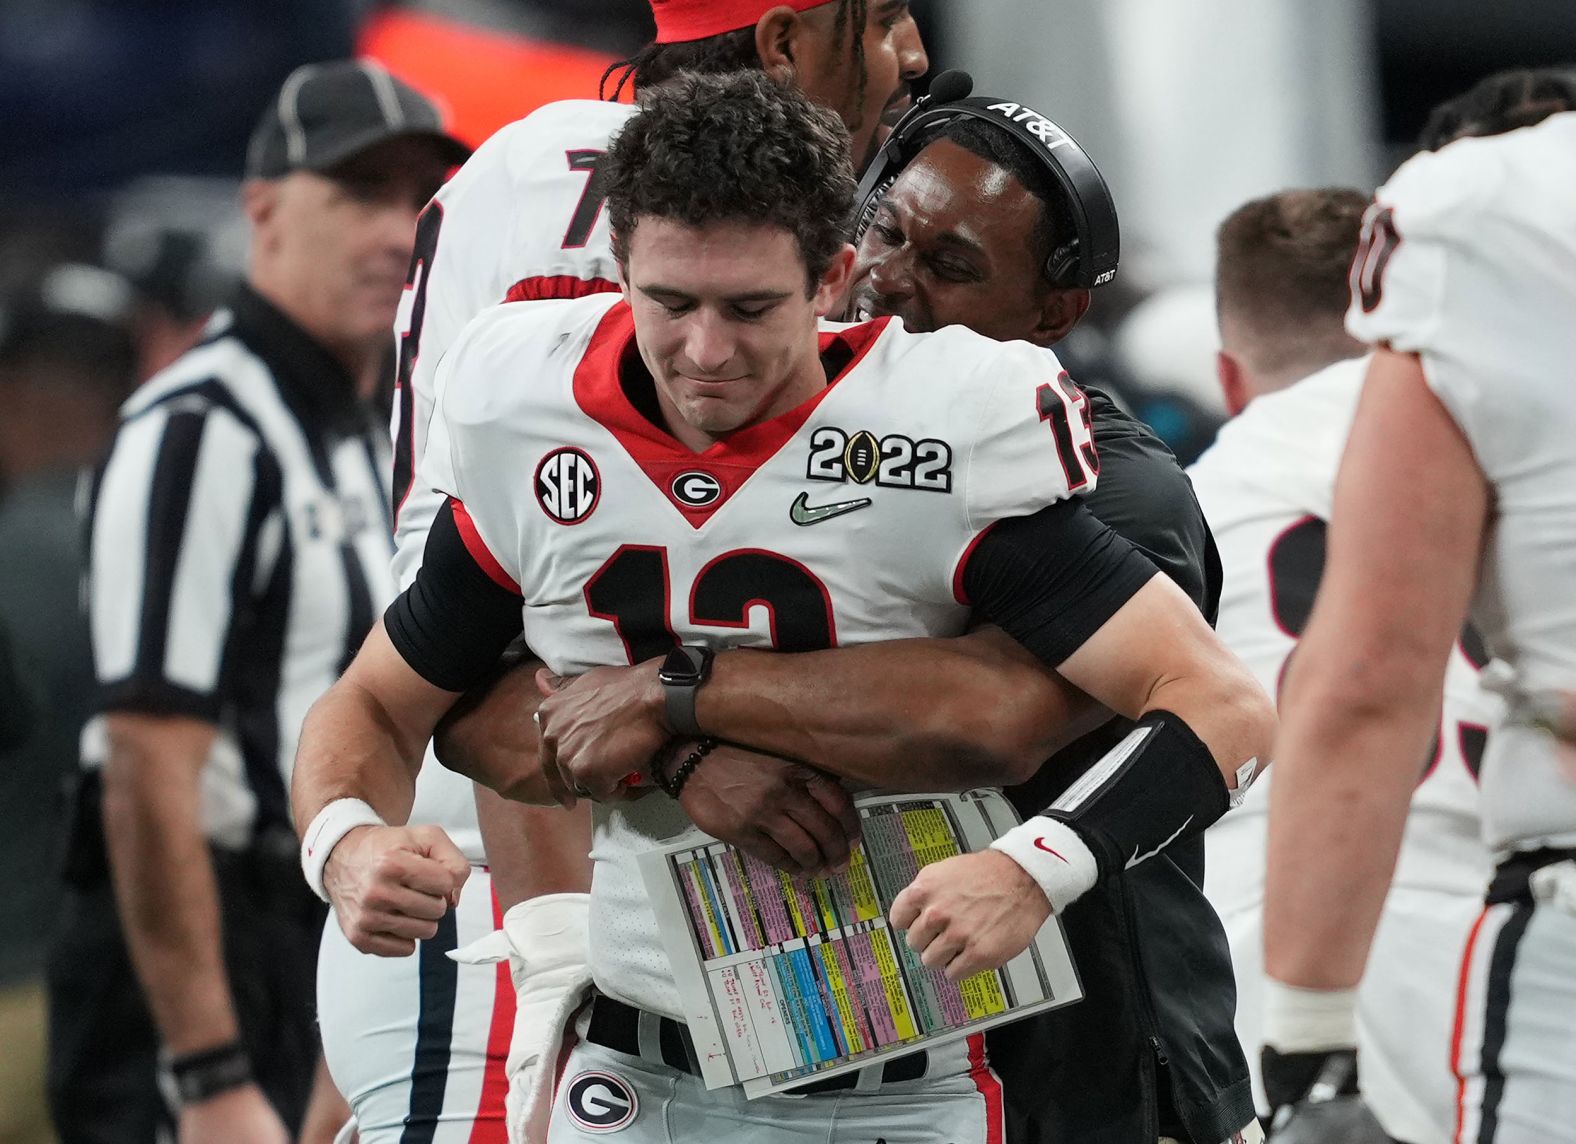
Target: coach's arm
(916, 714)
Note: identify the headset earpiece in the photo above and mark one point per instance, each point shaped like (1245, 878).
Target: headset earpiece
(1087, 260)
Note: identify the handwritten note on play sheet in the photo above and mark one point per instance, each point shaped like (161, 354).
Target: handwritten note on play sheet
(786, 979)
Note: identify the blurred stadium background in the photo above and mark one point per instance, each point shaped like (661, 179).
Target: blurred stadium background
(126, 122)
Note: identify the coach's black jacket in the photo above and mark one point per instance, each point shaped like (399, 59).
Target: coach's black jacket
(1151, 1049)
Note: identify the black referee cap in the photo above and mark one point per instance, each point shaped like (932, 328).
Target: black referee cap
(327, 112)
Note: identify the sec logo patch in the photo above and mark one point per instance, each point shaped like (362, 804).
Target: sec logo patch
(601, 1102)
(568, 485)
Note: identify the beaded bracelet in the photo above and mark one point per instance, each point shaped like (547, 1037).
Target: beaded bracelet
(673, 783)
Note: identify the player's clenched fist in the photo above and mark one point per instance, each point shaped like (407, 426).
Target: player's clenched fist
(389, 885)
(972, 912)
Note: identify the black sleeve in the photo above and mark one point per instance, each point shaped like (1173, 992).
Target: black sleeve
(1146, 498)
(454, 621)
(1052, 579)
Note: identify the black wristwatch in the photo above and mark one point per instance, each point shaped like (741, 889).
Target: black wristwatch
(681, 674)
(206, 1073)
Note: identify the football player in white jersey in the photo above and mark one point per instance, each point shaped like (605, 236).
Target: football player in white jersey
(712, 368)
(1291, 377)
(1454, 495)
(511, 225)
(933, 269)
(969, 234)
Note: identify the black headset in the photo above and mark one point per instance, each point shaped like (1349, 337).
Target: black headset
(1089, 259)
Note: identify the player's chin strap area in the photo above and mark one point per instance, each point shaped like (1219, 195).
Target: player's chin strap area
(1157, 785)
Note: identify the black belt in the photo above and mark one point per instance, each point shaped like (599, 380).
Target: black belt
(1512, 877)
(616, 1026)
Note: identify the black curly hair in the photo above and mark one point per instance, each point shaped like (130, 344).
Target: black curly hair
(724, 52)
(733, 148)
(1502, 102)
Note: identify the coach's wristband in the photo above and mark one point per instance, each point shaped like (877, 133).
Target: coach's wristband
(332, 823)
(1300, 1020)
(1051, 853)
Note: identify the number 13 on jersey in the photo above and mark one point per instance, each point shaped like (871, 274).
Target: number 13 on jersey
(1066, 408)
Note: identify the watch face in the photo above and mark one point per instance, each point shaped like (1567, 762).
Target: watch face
(678, 668)
(684, 665)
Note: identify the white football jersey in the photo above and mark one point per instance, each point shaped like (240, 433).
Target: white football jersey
(845, 520)
(522, 219)
(1469, 261)
(1266, 487)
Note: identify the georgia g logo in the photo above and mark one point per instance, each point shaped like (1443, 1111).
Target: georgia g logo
(696, 489)
(600, 1102)
(567, 485)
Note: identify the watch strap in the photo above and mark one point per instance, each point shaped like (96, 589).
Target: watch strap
(679, 694)
(209, 1072)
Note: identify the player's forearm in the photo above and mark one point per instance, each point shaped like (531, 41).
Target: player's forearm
(1227, 709)
(910, 714)
(166, 893)
(353, 747)
(533, 850)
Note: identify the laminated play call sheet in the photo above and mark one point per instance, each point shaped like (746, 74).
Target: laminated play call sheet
(787, 979)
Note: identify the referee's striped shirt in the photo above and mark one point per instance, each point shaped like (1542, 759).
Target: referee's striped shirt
(239, 552)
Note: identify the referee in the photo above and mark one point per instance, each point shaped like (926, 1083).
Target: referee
(239, 551)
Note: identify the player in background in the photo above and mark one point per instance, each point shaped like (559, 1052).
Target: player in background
(1454, 496)
(725, 300)
(1291, 376)
(510, 226)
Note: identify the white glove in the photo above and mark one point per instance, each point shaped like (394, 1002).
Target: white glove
(1555, 885)
(546, 942)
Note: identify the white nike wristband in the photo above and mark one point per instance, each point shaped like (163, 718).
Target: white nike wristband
(1051, 853)
(1298, 1020)
(332, 823)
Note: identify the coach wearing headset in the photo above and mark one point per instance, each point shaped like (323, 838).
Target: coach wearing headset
(981, 213)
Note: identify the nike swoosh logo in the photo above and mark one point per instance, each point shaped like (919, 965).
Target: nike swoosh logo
(1040, 844)
(802, 512)
(1137, 857)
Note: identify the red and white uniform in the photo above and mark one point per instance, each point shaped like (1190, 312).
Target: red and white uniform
(1266, 488)
(1469, 261)
(521, 219)
(619, 538)
(846, 519)
(1471, 264)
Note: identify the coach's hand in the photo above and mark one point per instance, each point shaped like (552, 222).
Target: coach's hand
(599, 729)
(391, 884)
(969, 913)
(784, 813)
(238, 1116)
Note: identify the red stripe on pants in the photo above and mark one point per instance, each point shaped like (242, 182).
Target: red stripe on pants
(491, 1123)
(1463, 984)
(989, 1085)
